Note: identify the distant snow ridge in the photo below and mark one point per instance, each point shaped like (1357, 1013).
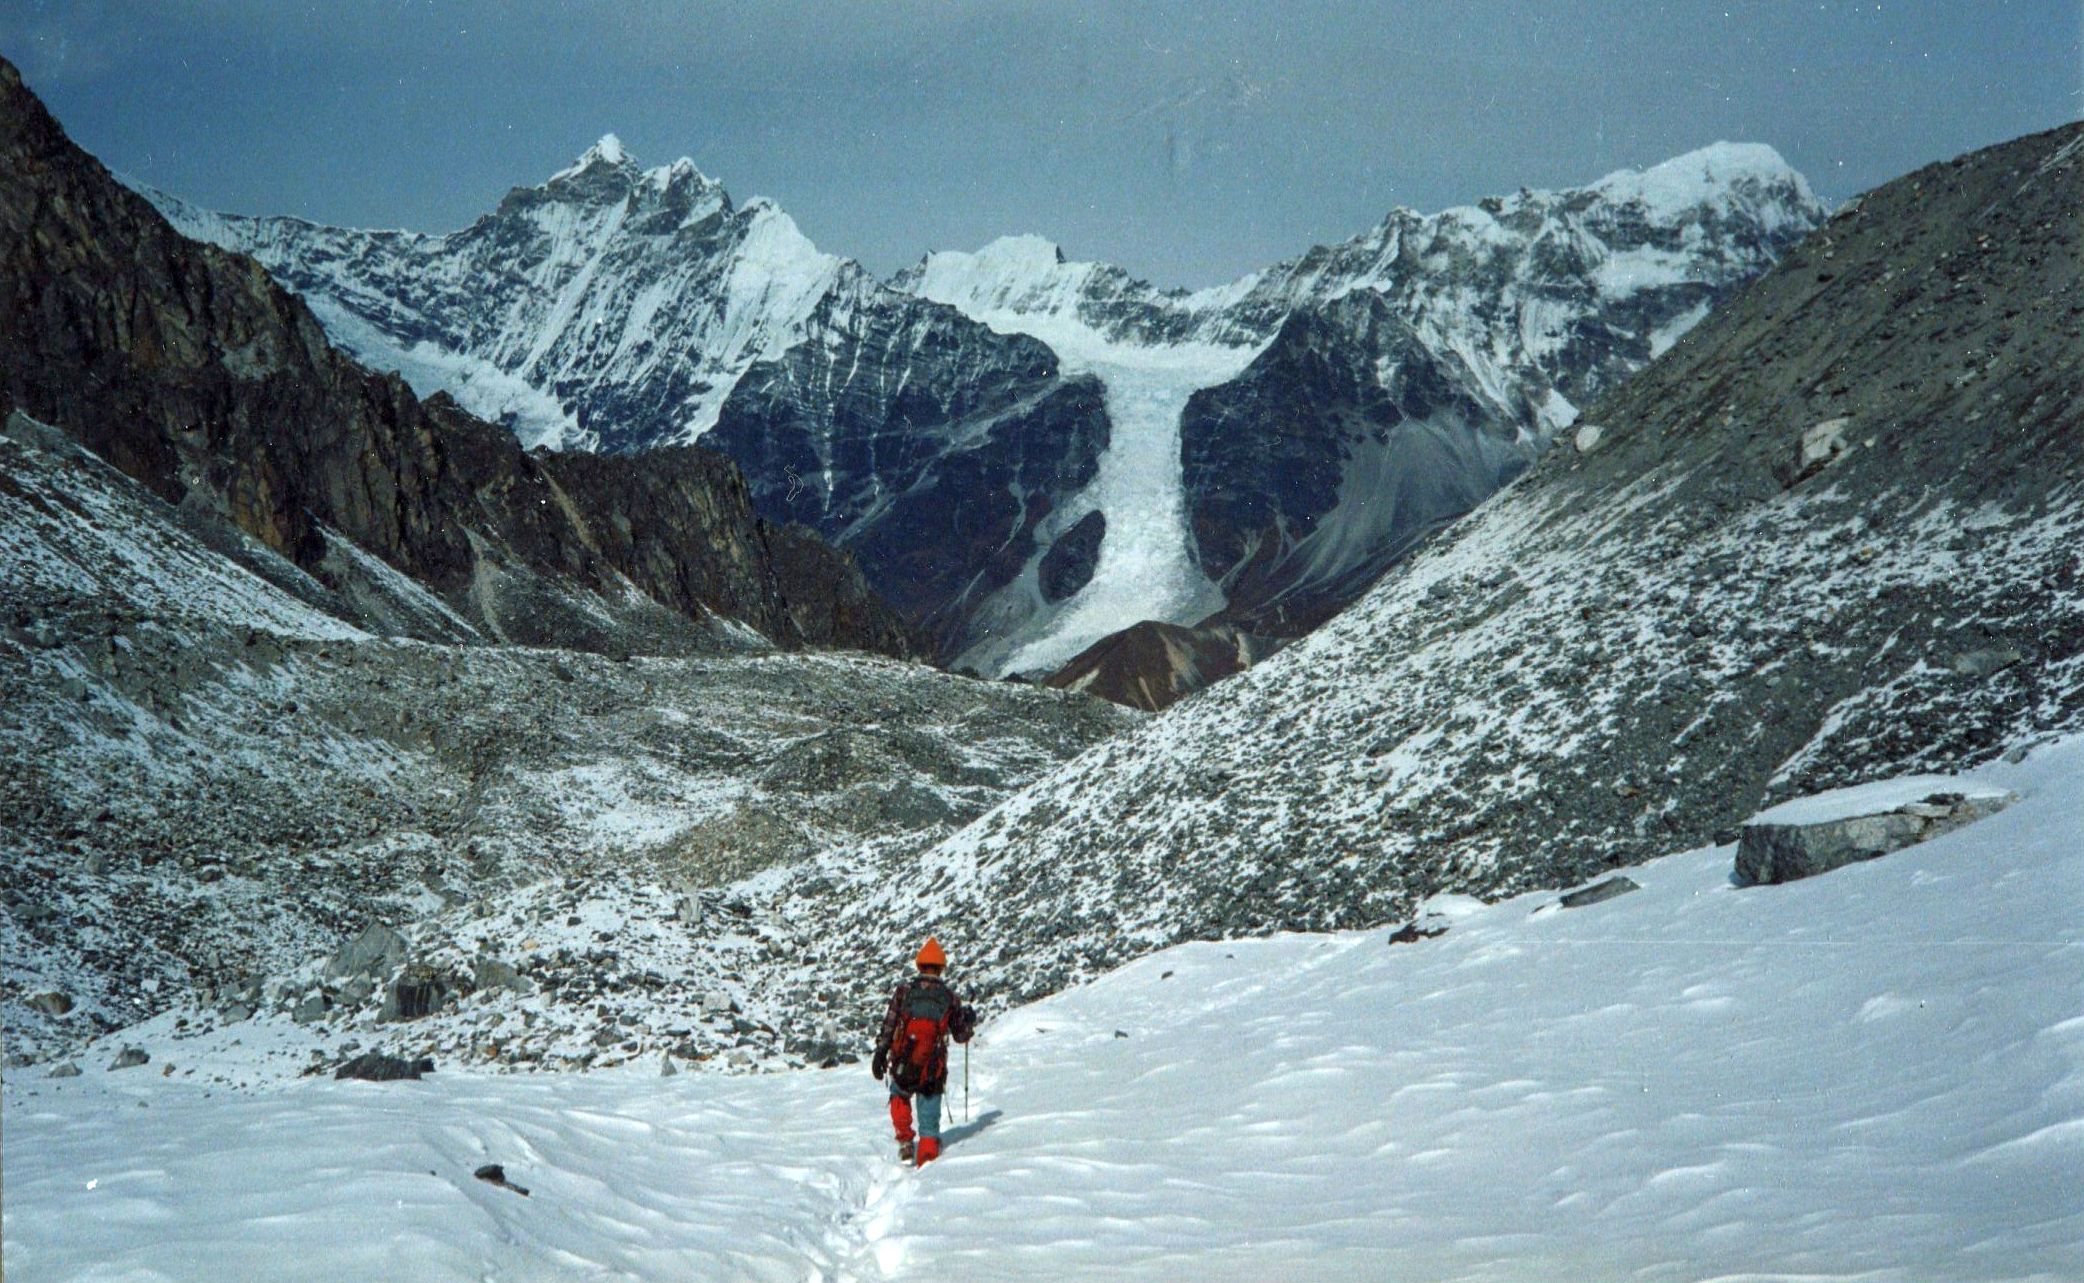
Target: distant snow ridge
(647, 285)
(1501, 315)
(615, 307)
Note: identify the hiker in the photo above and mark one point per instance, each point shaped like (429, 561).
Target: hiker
(924, 1013)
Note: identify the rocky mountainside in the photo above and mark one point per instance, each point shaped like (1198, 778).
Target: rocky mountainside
(189, 369)
(1833, 534)
(209, 778)
(1028, 454)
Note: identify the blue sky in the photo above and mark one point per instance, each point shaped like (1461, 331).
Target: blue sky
(1188, 141)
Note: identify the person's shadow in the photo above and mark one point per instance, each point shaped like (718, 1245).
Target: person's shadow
(957, 1135)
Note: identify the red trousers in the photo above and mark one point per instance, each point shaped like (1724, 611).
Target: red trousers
(930, 1123)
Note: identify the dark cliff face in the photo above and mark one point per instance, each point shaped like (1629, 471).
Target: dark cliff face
(191, 370)
(937, 485)
(1343, 443)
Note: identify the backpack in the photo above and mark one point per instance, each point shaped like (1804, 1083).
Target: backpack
(918, 1052)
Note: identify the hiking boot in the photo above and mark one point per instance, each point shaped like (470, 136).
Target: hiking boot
(929, 1149)
(905, 1151)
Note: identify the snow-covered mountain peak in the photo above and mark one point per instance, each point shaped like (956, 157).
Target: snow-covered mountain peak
(1705, 178)
(664, 198)
(1025, 255)
(608, 151)
(1013, 275)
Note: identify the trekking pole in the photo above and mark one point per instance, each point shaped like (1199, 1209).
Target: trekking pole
(966, 1082)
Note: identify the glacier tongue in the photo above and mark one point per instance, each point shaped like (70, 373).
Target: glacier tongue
(1147, 568)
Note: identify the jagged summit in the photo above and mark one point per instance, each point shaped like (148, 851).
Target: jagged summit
(608, 151)
(610, 161)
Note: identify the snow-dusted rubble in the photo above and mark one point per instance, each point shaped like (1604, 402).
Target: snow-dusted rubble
(209, 780)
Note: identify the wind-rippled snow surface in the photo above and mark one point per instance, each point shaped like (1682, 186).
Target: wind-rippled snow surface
(1873, 1074)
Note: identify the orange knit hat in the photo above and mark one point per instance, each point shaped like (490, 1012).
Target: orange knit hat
(930, 954)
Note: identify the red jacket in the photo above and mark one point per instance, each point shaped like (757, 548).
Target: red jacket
(923, 1014)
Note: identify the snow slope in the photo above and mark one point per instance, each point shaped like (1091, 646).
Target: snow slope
(1874, 1074)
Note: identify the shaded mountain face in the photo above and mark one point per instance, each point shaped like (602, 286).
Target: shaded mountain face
(1345, 442)
(951, 427)
(621, 309)
(191, 370)
(1835, 534)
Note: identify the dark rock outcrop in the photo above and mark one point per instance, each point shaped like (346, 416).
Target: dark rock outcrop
(842, 439)
(1153, 665)
(1600, 892)
(1069, 563)
(376, 1067)
(190, 369)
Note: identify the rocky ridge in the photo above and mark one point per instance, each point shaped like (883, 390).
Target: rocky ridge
(189, 369)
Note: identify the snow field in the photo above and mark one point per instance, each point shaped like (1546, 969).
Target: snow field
(1874, 1074)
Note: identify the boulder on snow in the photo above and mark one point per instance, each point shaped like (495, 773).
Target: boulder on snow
(420, 991)
(494, 1174)
(1987, 661)
(491, 973)
(1423, 927)
(69, 1069)
(1599, 891)
(129, 1058)
(1783, 852)
(51, 1004)
(1821, 444)
(313, 1007)
(375, 952)
(375, 1067)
